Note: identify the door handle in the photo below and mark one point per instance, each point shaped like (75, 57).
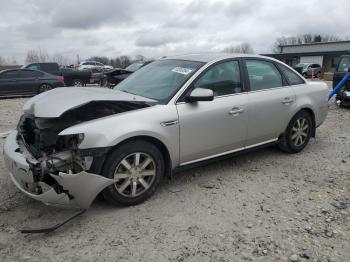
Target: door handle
(236, 111)
(287, 101)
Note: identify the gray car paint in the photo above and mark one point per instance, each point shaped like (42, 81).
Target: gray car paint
(196, 131)
(57, 101)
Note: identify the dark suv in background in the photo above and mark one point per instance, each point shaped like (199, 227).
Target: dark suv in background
(71, 77)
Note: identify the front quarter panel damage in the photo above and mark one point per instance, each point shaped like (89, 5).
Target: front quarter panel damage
(77, 190)
(84, 187)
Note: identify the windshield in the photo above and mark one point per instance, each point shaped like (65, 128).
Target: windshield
(159, 80)
(344, 64)
(134, 67)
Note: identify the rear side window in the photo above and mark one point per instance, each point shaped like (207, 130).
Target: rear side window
(344, 64)
(293, 78)
(263, 75)
(223, 79)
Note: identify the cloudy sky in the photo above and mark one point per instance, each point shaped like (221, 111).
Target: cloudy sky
(157, 27)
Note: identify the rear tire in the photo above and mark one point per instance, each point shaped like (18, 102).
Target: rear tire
(297, 134)
(139, 167)
(44, 87)
(78, 82)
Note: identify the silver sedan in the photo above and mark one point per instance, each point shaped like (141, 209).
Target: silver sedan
(74, 143)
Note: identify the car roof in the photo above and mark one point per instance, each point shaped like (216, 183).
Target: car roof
(209, 57)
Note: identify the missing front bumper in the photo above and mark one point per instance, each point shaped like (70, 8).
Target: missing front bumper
(79, 190)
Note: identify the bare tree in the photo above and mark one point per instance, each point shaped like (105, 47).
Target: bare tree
(13, 60)
(2, 61)
(32, 57)
(60, 59)
(36, 56)
(140, 58)
(124, 61)
(244, 48)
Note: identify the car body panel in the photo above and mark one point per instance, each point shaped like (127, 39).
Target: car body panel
(148, 122)
(208, 128)
(313, 96)
(21, 176)
(189, 131)
(268, 116)
(55, 102)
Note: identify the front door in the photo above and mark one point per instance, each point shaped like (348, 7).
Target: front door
(8, 82)
(213, 128)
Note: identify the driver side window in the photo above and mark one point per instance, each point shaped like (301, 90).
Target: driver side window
(223, 79)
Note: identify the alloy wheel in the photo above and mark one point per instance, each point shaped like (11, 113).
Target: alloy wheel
(300, 131)
(77, 83)
(44, 88)
(135, 174)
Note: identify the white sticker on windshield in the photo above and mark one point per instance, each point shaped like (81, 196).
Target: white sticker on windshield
(181, 70)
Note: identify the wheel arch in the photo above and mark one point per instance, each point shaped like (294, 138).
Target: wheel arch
(311, 112)
(155, 141)
(313, 119)
(44, 83)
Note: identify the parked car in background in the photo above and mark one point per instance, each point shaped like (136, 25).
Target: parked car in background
(309, 69)
(73, 143)
(98, 76)
(71, 77)
(26, 82)
(115, 76)
(88, 65)
(343, 68)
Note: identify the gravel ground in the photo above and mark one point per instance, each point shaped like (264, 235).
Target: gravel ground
(261, 206)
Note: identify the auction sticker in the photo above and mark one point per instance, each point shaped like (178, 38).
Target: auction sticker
(182, 70)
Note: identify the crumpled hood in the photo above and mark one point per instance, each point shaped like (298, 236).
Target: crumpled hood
(59, 100)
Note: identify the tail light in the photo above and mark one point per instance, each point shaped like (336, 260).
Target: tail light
(60, 78)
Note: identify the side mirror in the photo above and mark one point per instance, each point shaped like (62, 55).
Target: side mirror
(200, 94)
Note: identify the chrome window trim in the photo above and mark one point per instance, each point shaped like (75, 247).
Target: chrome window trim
(216, 97)
(175, 98)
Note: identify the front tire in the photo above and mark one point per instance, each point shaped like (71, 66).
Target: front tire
(138, 167)
(297, 134)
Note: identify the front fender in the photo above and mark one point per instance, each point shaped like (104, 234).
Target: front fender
(110, 131)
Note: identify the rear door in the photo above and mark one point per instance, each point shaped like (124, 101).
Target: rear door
(270, 101)
(8, 82)
(28, 81)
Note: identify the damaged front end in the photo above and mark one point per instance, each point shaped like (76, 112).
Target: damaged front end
(51, 168)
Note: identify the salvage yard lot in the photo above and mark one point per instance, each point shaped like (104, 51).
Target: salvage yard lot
(261, 206)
